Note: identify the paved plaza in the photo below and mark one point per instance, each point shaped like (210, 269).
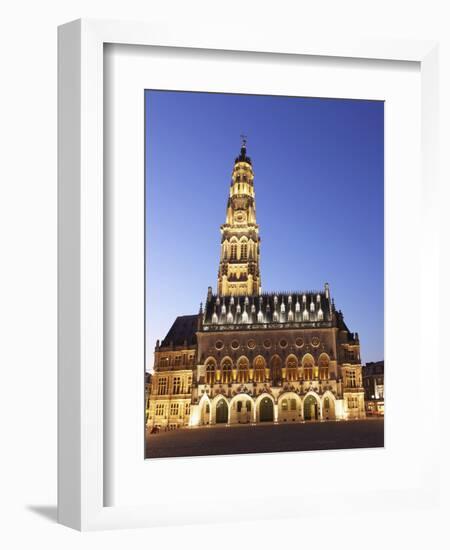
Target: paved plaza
(266, 438)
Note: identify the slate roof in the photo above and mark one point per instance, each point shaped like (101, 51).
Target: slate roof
(274, 307)
(374, 368)
(182, 331)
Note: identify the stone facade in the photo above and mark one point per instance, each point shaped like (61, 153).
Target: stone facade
(250, 356)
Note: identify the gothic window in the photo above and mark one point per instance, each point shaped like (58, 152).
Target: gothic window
(174, 409)
(226, 371)
(259, 366)
(308, 366)
(244, 251)
(284, 405)
(177, 360)
(352, 402)
(324, 364)
(159, 409)
(162, 386)
(291, 368)
(210, 372)
(351, 379)
(293, 405)
(233, 251)
(242, 370)
(275, 370)
(176, 385)
(187, 409)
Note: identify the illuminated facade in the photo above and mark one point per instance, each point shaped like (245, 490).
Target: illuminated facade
(174, 366)
(251, 356)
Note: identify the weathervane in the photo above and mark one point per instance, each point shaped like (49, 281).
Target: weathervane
(244, 140)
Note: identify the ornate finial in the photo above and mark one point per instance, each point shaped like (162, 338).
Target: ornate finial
(243, 155)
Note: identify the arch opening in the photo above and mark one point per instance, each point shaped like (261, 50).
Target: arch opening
(310, 408)
(266, 410)
(328, 408)
(289, 408)
(221, 412)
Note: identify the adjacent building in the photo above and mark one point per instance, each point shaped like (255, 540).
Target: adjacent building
(373, 382)
(251, 356)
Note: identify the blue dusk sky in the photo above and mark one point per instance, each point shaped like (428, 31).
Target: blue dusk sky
(319, 185)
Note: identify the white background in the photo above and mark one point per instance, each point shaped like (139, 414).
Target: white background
(28, 268)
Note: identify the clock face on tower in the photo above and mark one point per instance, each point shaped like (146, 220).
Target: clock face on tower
(240, 216)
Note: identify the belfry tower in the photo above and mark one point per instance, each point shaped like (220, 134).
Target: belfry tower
(239, 258)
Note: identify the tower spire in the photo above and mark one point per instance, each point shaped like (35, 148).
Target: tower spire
(239, 261)
(243, 156)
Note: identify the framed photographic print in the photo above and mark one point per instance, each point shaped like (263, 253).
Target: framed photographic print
(250, 357)
(241, 239)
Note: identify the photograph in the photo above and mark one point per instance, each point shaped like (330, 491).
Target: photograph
(220, 220)
(264, 274)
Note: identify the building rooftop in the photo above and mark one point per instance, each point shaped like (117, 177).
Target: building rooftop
(271, 307)
(182, 332)
(373, 368)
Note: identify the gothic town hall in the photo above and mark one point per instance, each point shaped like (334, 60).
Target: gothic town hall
(251, 356)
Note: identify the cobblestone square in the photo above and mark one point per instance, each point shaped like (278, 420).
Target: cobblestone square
(266, 438)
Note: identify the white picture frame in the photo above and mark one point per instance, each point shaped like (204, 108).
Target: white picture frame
(82, 483)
